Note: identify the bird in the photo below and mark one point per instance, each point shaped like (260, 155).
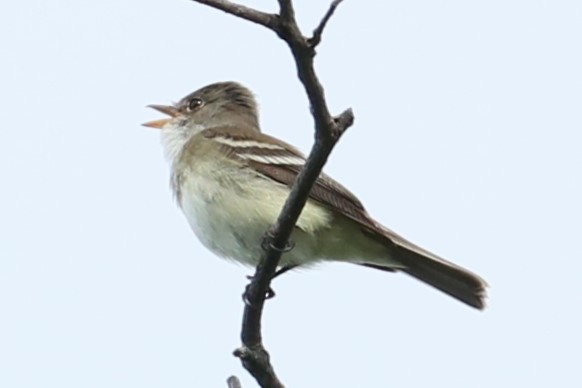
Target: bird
(231, 180)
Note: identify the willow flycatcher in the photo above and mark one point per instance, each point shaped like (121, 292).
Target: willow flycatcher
(231, 181)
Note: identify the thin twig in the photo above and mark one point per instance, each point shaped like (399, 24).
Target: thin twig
(265, 19)
(318, 32)
(328, 130)
(286, 10)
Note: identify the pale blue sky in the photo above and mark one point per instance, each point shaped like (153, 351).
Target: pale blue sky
(467, 141)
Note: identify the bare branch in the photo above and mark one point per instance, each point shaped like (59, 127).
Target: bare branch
(344, 120)
(256, 360)
(318, 32)
(265, 19)
(328, 131)
(286, 10)
(233, 382)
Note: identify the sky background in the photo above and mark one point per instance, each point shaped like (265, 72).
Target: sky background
(467, 141)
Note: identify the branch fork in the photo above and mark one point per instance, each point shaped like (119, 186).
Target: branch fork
(328, 130)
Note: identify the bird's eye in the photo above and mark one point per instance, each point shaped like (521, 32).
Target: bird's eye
(195, 103)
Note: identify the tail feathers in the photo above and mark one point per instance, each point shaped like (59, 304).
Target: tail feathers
(445, 276)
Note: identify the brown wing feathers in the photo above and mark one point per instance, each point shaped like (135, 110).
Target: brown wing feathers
(281, 162)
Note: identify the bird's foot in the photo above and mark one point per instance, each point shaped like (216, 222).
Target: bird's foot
(267, 244)
(270, 292)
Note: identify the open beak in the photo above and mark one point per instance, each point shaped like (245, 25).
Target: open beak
(166, 109)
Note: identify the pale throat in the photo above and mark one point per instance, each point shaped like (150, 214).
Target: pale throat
(174, 138)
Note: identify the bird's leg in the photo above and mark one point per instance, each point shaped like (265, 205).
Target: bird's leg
(267, 244)
(284, 269)
(270, 292)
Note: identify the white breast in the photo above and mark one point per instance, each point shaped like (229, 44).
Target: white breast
(230, 208)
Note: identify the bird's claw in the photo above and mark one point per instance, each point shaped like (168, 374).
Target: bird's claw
(269, 294)
(267, 244)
